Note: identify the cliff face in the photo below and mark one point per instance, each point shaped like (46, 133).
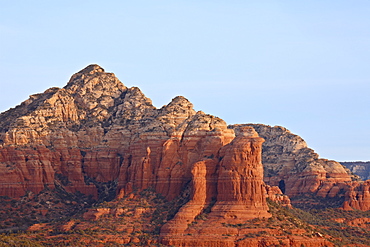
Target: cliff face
(96, 136)
(233, 180)
(227, 195)
(240, 184)
(95, 131)
(298, 171)
(358, 196)
(100, 138)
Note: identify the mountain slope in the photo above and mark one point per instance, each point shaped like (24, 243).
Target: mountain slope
(96, 140)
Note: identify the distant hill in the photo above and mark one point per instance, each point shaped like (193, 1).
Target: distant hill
(360, 168)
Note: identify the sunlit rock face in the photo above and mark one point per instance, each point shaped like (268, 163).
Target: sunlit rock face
(299, 172)
(95, 130)
(98, 137)
(240, 187)
(101, 138)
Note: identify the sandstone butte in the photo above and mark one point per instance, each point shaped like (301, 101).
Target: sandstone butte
(299, 172)
(97, 131)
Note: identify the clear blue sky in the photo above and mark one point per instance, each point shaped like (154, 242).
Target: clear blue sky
(300, 64)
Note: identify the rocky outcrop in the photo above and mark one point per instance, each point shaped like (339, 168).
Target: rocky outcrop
(274, 194)
(61, 125)
(240, 187)
(95, 132)
(26, 169)
(358, 222)
(298, 171)
(234, 181)
(230, 186)
(96, 213)
(358, 196)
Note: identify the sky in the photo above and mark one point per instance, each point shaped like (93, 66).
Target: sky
(303, 65)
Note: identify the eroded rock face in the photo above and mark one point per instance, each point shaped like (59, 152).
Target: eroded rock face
(274, 194)
(298, 171)
(98, 137)
(358, 196)
(240, 187)
(95, 131)
(230, 185)
(25, 170)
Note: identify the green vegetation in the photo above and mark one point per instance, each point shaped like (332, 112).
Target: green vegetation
(15, 241)
(141, 215)
(322, 221)
(312, 201)
(166, 210)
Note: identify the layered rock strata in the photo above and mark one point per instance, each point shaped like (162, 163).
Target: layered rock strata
(240, 187)
(98, 137)
(298, 171)
(96, 131)
(357, 196)
(233, 180)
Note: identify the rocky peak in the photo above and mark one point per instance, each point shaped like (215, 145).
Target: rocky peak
(176, 113)
(94, 83)
(133, 106)
(179, 106)
(91, 69)
(87, 99)
(180, 101)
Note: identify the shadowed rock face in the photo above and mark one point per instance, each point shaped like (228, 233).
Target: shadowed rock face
(362, 169)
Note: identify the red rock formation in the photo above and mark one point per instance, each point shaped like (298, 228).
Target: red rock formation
(274, 194)
(240, 187)
(358, 196)
(200, 172)
(358, 222)
(95, 214)
(236, 182)
(96, 127)
(298, 171)
(165, 162)
(25, 170)
(96, 132)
